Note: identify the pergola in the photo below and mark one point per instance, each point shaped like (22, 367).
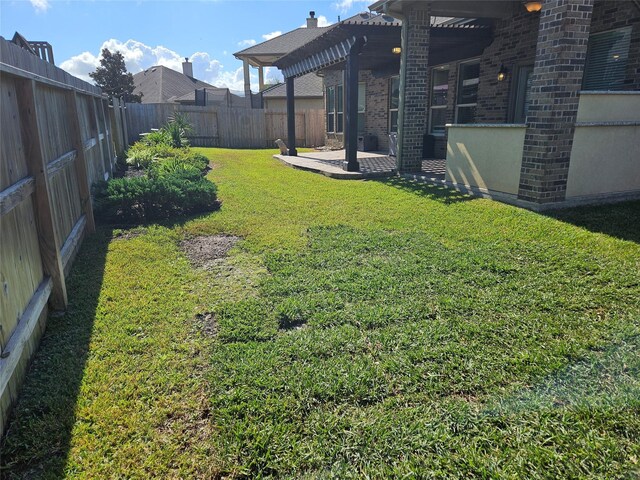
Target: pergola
(370, 44)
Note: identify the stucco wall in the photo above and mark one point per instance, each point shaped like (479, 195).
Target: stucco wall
(605, 157)
(609, 107)
(485, 156)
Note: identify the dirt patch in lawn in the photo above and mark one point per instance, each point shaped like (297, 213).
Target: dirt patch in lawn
(207, 323)
(208, 250)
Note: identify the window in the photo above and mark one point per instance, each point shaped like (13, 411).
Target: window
(439, 94)
(394, 103)
(362, 107)
(522, 96)
(331, 109)
(467, 98)
(339, 108)
(607, 57)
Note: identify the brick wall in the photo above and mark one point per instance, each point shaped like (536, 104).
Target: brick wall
(514, 45)
(557, 78)
(376, 107)
(612, 14)
(414, 82)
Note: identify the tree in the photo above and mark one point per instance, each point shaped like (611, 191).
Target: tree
(112, 77)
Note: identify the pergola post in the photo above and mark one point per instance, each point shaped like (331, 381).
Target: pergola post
(351, 131)
(291, 118)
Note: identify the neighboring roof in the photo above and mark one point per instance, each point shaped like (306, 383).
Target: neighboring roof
(265, 53)
(306, 86)
(160, 84)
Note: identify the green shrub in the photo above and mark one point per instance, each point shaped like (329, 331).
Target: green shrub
(157, 137)
(143, 199)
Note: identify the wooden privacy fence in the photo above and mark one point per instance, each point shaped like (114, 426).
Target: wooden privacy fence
(58, 136)
(229, 127)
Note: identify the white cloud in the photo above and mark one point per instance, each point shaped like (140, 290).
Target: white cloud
(344, 6)
(247, 43)
(138, 57)
(40, 5)
(80, 65)
(269, 36)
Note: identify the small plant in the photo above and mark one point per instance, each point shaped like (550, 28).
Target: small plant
(177, 129)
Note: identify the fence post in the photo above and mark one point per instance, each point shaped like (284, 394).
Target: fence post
(107, 134)
(81, 161)
(37, 166)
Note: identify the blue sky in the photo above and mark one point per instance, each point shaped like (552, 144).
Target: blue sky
(163, 32)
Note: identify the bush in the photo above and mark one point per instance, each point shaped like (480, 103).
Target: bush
(142, 199)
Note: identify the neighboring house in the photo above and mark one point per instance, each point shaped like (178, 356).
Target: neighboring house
(265, 54)
(161, 84)
(308, 93)
(544, 113)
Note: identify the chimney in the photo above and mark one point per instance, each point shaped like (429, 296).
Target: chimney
(187, 67)
(312, 21)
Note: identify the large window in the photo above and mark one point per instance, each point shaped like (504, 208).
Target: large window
(331, 109)
(439, 95)
(394, 103)
(362, 107)
(607, 57)
(339, 108)
(467, 97)
(334, 109)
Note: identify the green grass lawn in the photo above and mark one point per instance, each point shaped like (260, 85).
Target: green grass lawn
(378, 329)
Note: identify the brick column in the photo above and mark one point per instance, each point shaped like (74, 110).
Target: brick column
(414, 83)
(561, 52)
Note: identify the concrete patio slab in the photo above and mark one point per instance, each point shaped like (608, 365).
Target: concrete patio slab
(329, 163)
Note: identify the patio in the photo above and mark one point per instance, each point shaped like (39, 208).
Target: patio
(372, 165)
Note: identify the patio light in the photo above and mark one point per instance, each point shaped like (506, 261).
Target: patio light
(533, 6)
(396, 50)
(502, 73)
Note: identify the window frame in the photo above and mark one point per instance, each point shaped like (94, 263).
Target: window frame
(339, 111)
(330, 108)
(628, 29)
(433, 107)
(459, 89)
(397, 109)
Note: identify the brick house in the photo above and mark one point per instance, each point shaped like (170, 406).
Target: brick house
(547, 115)
(373, 42)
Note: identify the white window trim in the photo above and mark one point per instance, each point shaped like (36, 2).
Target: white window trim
(463, 105)
(437, 107)
(331, 113)
(389, 103)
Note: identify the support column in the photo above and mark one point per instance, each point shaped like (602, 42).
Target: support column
(291, 117)
(351, 131)
(563, 36)
(414, 87)
(261, 78)
(247, 82)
